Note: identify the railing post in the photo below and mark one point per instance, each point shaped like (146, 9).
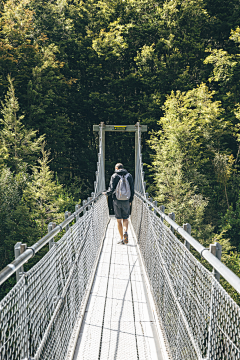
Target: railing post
(103, 145)
(50, 244)
(151, 200)
(155, 204)
(143, 176)
(17, 253)
(84, 202)
(51, 226)
(66, 215)
(77, 206)
(172, 216)
(216, 250)
(187, 228)
(88, 199)
(22, 250)
(162, 209)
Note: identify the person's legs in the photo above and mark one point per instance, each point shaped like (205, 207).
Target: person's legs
(120, 227)
(121, 211)
(125, 225)
(125, 216)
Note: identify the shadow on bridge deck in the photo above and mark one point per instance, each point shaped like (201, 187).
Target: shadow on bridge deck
(118, 321)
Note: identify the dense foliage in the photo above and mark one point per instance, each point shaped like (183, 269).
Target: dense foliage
(68, 64)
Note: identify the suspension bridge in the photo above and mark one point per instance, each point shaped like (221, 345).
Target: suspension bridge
(89, 298)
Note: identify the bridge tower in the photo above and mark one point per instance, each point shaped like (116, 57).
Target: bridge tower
(139, 174)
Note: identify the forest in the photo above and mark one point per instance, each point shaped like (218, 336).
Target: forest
(173, 65)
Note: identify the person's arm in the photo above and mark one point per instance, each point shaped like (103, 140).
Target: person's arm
(112, 185)
(131, 183)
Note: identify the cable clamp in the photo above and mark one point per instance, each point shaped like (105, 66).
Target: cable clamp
(203, 251)
(179, 227)
(32, 251)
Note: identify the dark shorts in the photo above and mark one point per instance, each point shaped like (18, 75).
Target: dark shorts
(121, 209)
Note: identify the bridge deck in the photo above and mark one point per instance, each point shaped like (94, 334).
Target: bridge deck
(118, 322)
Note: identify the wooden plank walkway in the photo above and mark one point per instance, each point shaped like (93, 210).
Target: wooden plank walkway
(118, 323)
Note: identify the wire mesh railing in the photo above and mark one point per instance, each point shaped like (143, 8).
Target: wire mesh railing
(38, 315)
(197, 316)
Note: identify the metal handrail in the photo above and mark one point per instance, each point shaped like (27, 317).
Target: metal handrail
(226, 273)
(30, 252)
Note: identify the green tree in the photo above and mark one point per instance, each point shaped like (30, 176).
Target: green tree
(225, 74)
(225, 79)
(16, 224)
(31, 58)
(191, 131)
(18, 145)
(19, 43)
(223, 165)
(43, 194)
(11, 187)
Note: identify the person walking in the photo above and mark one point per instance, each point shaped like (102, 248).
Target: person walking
(121, 187)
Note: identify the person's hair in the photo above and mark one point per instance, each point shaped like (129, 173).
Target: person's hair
(119, 166)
